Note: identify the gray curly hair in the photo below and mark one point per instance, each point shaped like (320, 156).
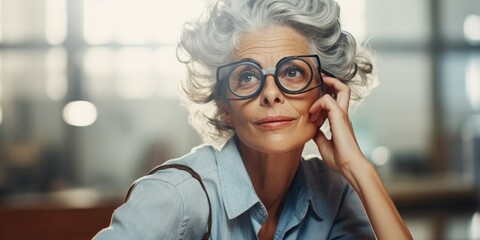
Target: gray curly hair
(210, 41)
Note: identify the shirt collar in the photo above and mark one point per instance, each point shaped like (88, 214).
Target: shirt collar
(237, 188)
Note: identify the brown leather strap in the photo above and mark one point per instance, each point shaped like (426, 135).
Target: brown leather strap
(194, 175)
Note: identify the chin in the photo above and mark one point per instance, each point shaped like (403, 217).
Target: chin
(276, 144)
(278, 141)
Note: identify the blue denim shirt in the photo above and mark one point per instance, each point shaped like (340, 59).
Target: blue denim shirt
(170, 204)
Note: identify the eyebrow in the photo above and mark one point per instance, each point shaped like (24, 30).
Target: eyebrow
(249, 60)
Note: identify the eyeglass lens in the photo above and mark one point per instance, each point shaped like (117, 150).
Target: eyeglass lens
(293, 74)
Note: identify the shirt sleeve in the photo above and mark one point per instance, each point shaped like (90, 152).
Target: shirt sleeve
(351, 221)
(155, 210)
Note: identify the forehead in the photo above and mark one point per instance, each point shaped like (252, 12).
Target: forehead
(270, 44)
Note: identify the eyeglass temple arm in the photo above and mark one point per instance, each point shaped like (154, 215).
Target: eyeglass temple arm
(328, 73)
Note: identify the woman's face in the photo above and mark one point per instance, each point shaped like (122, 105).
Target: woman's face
(272, 122)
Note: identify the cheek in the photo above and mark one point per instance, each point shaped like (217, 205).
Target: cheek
(234, 115)
(303, 105)
(311, 128)
(303, 108)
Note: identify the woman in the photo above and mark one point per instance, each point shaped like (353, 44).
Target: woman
(272, 71)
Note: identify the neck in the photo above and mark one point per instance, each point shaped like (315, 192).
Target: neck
(271, 175)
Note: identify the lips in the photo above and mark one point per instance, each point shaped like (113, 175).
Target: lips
(274, 122)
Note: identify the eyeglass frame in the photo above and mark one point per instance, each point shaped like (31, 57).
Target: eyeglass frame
(264, 73)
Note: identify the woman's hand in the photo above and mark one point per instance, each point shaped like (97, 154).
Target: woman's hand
(342, 149)
(343, 154)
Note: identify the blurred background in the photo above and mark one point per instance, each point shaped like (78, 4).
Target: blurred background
(89, 102)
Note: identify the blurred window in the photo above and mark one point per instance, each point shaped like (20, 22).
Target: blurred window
(119, 57)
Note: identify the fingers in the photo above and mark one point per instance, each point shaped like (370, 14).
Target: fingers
(340, 124)
(324, 106)
(337, 97)
(317, 116)
(340, 91)
(327, 107)
(342, 147)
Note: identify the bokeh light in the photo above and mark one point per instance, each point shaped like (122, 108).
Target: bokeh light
(80, 113)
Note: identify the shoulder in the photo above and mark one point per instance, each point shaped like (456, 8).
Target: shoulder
(166, 204)
(181, 196)
(201, 159)
(156, 209)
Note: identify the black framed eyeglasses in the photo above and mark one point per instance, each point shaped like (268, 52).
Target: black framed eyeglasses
(293, 75)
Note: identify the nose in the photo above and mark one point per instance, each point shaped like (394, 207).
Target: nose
(271, 94)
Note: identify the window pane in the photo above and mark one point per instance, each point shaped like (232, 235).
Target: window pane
(31, 132)
(1, 21)
(136, 21)
(453, 18)
(45, 77)
(460, 84)
(398, 21)
(23, 21)
(19, 83)
(1, 75)
(140, 134)
(132, 73)
(399, 108)
(56, 21)
(353, 17)
(26, 83)
(135, 92)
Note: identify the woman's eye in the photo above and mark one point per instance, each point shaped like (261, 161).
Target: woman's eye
(247, 77)
(293, 72)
